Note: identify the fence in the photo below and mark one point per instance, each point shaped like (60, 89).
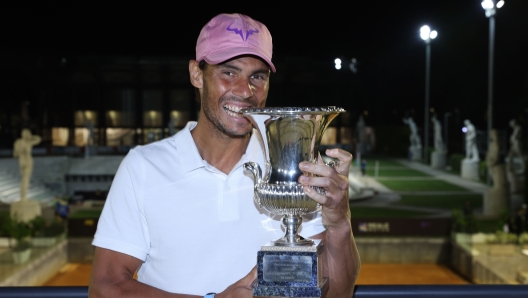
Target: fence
(364, 291)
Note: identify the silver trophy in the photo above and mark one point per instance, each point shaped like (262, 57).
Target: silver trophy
(289, 136)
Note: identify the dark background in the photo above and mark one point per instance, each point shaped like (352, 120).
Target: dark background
(382, 35)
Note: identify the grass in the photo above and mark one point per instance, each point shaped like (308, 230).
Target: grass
(403, 172)
(441, 201)
(421, 185)
(383, 163)
(86, 214)
(369, 212)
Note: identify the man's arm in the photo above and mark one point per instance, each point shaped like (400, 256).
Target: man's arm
(341, 257)
(113, 276)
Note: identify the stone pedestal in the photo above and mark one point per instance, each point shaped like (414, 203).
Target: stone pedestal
(469, 169)
(438, 160)
(495, 201)
(516, 182)
(25, 210)
(415, 153)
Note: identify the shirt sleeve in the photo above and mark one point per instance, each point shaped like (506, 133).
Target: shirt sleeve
(122, 226)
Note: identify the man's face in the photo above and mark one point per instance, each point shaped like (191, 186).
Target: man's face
(239, 83)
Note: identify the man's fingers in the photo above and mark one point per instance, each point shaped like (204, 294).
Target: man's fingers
(344, 157)
(325, 177)
(319, 198)
(250, 277)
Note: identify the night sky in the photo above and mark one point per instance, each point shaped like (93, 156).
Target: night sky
(382, 35)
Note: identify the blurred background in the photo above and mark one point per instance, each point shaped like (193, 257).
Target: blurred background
(94, 79)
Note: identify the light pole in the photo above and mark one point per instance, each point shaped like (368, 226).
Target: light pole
(491, 6)
(427, 35)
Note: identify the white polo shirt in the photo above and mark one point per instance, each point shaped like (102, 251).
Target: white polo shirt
(196, 229)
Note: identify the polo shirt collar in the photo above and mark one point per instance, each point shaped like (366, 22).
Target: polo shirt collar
(188, 153)
(191, 160)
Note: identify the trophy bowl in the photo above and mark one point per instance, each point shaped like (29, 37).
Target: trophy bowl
(289, 136)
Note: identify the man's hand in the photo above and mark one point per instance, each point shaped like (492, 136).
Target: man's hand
(335, 209)
(340, 256)
(242, 288)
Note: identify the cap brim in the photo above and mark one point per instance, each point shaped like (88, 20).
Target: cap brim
(224, 55)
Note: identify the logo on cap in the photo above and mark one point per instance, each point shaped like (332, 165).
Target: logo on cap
(240, 31)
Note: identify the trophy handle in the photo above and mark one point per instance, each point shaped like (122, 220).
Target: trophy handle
(333, 163)
(254, 168)
(259, 123)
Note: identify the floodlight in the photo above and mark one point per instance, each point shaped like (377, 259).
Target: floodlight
(487, 4)
(433, 34)
(424, 32)
(337, 62)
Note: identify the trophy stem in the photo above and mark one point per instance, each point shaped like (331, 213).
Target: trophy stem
(292, 237)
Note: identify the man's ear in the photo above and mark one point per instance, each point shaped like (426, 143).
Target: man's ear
(196, 74)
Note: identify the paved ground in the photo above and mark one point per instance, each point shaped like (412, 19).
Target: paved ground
(71, 275)
(371, 274)
(408, 274)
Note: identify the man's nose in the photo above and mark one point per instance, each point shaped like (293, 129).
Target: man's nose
(243, 88)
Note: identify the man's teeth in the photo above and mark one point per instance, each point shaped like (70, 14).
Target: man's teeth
(233, 111)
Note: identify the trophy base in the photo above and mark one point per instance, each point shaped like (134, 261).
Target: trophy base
(300, 292)
(290, 271)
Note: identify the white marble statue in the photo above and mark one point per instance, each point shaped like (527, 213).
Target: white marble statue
(22, 150)
(414, 137)
(25, 210)
(439, 144)
(495, 167)
(472, 153)
(495, 198)
(90, 141)
(515, 152)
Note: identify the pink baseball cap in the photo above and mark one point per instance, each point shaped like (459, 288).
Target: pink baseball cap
(229, 35)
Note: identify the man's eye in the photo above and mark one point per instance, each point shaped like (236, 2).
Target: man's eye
(229, 73)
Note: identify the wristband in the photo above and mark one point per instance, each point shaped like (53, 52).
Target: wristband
(209, 295)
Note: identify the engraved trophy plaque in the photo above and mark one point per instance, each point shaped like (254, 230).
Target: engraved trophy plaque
(289, 266)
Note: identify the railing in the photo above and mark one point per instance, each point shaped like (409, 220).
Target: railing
(406, 291)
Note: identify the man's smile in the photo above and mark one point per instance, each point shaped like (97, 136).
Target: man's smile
(233, 111)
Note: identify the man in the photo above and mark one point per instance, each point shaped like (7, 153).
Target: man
(181, 211)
